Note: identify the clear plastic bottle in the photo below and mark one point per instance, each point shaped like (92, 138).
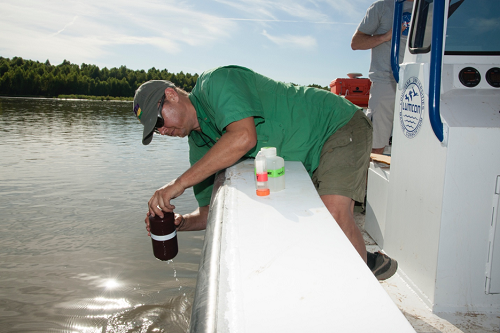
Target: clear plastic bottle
(275, 169)
(261, 175)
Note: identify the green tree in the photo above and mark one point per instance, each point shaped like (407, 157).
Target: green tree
(20, 77)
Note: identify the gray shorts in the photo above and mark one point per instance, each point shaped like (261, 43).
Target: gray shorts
(381, 112)
(344, 160)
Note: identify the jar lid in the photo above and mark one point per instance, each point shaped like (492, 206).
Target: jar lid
(268, 151)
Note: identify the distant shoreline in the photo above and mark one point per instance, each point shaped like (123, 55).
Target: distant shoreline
(78, 98)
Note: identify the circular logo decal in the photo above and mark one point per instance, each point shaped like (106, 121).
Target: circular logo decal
(411, 107)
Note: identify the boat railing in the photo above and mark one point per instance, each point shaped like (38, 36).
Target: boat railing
(203, 314)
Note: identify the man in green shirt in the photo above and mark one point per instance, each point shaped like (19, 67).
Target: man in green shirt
(232, 112)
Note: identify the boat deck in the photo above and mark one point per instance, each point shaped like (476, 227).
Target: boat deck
(417, 312)
(281, 264)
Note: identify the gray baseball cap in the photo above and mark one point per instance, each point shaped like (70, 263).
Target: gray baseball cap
(146, 105)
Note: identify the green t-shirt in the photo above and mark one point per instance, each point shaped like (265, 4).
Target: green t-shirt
(296, 120)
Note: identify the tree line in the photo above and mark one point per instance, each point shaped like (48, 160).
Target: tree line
(20, 77)
(28, 78)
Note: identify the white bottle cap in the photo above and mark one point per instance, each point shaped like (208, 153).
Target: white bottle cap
(268, 151)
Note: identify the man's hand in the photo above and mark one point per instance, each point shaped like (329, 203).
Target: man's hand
(161, 198)
(179, 222)
(197, 220)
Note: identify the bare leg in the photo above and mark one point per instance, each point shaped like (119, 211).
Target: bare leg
(378, 150)
(342, 209)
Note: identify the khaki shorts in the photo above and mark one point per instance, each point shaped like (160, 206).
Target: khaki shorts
(344, 160)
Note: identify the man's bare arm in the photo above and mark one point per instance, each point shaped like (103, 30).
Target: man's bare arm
(240, 137)
(196, 220)
(362, 41)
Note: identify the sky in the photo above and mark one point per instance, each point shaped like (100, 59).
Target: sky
(299, 41)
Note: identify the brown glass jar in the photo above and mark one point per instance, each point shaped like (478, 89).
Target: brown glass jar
(163, 236)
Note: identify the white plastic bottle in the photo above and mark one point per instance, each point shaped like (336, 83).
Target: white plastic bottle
(261, 175)
(275, 169)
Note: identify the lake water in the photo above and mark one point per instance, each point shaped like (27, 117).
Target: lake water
(75, 180)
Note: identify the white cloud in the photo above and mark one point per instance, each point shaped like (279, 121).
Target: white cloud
(279, 10)
(89, 29)
(311, 11)
(67, 25)
(349, 8)
(306, 42)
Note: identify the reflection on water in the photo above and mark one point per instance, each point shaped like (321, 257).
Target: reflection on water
(74, 255)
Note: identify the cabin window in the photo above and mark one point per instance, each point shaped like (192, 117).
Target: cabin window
(421, 32)
(473, 27)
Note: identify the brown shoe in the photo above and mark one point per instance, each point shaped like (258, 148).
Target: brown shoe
(384, 267)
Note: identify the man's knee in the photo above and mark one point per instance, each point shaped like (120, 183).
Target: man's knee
(339, 206)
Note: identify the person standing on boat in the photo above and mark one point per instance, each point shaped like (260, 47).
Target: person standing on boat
(375, 33)
(232, 112)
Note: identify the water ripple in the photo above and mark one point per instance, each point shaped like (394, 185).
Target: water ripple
(74, 255)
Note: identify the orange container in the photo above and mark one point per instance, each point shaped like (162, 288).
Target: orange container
(355, 90)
